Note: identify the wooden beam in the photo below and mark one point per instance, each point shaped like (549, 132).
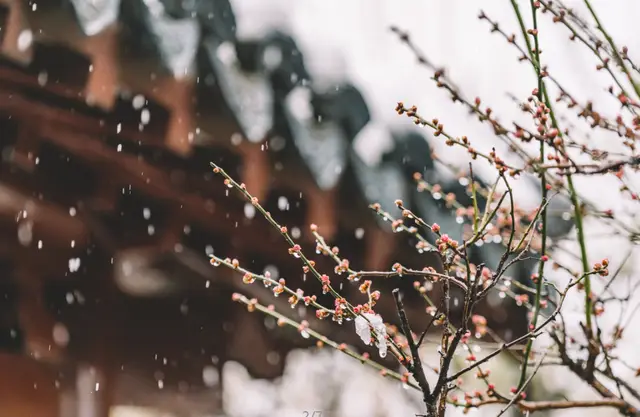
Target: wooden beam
(46, 221)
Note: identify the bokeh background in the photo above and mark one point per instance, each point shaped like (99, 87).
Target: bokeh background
(109, 209)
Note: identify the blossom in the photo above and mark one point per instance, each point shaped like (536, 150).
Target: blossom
(365, 323)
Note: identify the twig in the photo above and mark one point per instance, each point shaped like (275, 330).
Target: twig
(414, 364)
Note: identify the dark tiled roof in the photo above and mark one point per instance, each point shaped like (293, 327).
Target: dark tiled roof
(412, 153)
(215, 17)
(150, 27)
(322, 144)
(93, 17)
(346, 105)
(247, 94)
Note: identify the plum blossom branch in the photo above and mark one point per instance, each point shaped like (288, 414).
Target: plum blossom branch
(303, 327)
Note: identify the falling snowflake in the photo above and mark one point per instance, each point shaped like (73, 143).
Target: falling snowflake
(74, 264)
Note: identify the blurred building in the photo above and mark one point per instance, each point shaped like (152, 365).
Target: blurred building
(110, 114)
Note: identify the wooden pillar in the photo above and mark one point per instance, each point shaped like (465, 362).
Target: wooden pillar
(104, 77)
(256, 172)
(380, 248)
(322, 211)
(177, 95)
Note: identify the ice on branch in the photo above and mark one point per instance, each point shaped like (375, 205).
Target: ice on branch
(365, 323)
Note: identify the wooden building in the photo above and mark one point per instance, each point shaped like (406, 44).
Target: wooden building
(110, 113)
